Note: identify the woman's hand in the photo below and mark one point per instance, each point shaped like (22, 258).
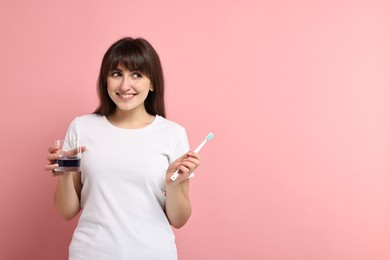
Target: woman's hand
(178, 205)
(54, 155)
(186, 164)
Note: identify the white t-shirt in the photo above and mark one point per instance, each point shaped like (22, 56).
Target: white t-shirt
(123, 174)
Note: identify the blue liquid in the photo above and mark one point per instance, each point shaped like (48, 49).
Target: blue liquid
(68, 163)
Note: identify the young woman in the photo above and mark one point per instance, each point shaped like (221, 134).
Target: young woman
(130, 151)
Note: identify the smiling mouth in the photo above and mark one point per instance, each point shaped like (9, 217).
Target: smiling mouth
(126, 96)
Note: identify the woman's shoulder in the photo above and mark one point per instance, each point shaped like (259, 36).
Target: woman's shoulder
(88, 119)
(167, 123)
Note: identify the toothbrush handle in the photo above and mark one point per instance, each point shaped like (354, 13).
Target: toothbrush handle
(175, 175)
(200, 146)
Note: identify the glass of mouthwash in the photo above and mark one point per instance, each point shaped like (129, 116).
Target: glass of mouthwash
(71, 155)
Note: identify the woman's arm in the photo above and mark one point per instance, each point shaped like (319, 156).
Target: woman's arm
(67, 195)
(178, 205)
(67, 192)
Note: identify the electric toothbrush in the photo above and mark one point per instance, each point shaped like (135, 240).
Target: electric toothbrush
(208, 138)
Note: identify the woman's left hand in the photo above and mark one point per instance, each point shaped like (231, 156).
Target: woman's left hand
(186, 164)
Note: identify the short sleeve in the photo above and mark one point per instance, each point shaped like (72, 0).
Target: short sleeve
(181, 145)
(71, 134)
(72, 131)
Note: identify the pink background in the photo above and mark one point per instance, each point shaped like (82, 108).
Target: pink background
(296, 92)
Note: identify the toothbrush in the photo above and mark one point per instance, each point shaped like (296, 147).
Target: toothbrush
(208, 138)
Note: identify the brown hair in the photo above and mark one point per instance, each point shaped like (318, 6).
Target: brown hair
(136, 55)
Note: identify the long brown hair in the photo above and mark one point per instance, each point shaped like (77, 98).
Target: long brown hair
(136, 55)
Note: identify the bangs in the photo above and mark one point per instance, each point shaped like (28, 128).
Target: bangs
(131, 57)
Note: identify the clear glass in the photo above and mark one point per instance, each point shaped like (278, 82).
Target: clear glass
(71, 156)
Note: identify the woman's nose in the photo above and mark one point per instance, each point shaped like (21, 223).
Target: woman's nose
(125, 84)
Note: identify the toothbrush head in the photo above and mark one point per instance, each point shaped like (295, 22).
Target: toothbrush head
(209, 136)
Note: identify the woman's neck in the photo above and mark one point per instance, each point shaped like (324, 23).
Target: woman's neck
(130, 119)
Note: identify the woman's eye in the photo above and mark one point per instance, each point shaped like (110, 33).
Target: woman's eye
(116, 74)
(136, 75)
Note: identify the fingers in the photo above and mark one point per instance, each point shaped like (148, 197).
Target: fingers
(72, 152)
(51, 167)
(75, 151)
(53, 149)
(83, 149)
(52, 157)
(192, 160)
(189, 163)
(185, 165)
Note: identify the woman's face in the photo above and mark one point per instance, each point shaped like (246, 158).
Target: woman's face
(128, 89)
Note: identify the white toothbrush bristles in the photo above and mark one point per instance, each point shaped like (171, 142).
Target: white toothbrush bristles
(208, 138)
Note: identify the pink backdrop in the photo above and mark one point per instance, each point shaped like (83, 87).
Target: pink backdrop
(296, 92)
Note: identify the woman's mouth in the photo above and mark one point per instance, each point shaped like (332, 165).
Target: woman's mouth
(125, 97)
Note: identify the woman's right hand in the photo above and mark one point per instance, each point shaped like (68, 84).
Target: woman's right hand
(52, 157)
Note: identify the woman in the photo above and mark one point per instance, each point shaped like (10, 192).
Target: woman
(130, 151)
